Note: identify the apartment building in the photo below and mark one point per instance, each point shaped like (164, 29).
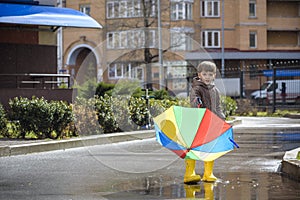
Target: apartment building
(257, 35)
(247, 35)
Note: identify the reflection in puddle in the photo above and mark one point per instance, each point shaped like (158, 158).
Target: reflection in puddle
(205, 189)
(249, 173)
(232, 186)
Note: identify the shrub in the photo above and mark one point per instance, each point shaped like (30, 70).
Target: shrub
(104, 88)
(138, 113)
(108, 114)
(229, 105)
(3, 122)
(161, 94)
(126, 87)
(39, 117)
(62, 116)
(245, 107)
(86, 117)
(87, 89)
(105, 114)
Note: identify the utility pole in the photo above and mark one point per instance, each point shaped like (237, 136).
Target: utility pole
(222, 48)
(160, 56)
(59, 43)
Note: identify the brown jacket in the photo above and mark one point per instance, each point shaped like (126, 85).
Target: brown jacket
(209, 95)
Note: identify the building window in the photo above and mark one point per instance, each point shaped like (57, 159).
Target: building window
(123, 39)
(180, 41)
(130, 8)
(252, 8)
(113, 40)
(210, 8)
(150, 5)
(125, 70)
(253, 40)
(110, 40)
(86, 9)
(134, 9)
(138, 73)
(130, 39)
(109, 10)
(122, 9)
(115, 70)
(137, 39)
(211, 39)
(181, 10)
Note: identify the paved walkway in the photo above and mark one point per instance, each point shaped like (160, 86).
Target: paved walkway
(255, 125)
(241, 125)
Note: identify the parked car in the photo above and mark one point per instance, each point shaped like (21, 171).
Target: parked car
(287, 91)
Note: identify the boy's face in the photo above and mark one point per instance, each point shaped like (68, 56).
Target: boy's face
(207, 77)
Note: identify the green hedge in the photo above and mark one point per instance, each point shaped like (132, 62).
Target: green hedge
(229, 105)
(3, 121)
(117, 113)
(39, 117)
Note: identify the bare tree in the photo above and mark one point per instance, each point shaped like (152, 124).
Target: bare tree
(143, 41)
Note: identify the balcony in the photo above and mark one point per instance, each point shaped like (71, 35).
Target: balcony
(283, 23)
(49, 86)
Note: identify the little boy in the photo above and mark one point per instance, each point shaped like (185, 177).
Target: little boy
(204, 94)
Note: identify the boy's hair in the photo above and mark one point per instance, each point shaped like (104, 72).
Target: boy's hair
(207, 66)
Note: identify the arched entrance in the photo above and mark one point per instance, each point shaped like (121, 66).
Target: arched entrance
(82, 64)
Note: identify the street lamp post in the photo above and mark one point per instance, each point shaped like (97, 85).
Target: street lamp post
(222, 48)
(160, 56)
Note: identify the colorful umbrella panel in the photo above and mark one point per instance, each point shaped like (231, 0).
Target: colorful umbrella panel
(194, 133)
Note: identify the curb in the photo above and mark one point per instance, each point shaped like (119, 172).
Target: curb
(235, 122)
(266, 129)
(293, 116)
(290, 165)
(22, 149)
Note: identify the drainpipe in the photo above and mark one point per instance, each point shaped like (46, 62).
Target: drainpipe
(59, 44)
(160, 56)
(274, 90)
(222, 49)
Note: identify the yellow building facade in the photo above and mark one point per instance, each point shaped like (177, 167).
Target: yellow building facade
(248, 35)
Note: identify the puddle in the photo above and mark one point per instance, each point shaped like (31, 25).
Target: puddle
(248, 173)
(231, 186)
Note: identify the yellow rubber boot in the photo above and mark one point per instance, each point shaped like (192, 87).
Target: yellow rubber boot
(208, 172)
(190, 176)
(190, 191)
(208, 191)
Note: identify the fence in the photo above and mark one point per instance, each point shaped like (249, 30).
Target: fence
(48, 86)
(274, 88)
(34, 80)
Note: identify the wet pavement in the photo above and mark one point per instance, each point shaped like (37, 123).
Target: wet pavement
(250, 172)
(239, 185)
(142, 169)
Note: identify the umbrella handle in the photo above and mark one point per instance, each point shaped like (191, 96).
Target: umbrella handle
(234, 143)
(198, 101)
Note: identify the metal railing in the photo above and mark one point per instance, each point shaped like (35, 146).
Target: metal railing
(35, 80)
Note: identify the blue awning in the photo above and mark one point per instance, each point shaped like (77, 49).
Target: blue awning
(282, 72)
(45, 16)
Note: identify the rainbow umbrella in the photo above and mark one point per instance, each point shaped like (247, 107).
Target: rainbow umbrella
(194, 133)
